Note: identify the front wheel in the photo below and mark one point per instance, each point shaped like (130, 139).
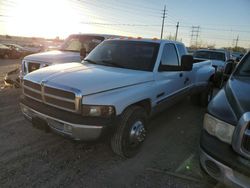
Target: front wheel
(130, 132)
(206, 96)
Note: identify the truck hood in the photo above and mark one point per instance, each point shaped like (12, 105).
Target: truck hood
(218, 63)
(237, 91)
(54, 57)
(88, 78)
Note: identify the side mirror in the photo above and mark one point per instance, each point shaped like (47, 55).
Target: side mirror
(83, 53)
(187, 62)
(229, 68)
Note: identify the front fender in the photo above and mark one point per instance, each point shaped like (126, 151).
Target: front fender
(123, 97)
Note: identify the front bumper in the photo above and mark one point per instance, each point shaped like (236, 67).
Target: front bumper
(222, 172)
(68, 129)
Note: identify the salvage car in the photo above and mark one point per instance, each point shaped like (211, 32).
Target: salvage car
(5, 51)
(225, 139)
(71, 50)
(18, 51)
(114, 91)
(219, 58)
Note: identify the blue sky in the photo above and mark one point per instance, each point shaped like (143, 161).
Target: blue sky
(220, 21)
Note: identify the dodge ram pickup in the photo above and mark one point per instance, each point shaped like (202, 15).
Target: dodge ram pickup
(218, 58)
(70, 51)
(114, 91)
(225, 139)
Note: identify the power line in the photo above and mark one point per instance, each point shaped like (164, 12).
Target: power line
(121, 24)
(108, 6)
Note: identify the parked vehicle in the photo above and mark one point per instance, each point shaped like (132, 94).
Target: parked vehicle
(68, 52)
(5, 51)
(114, 91)
(219, 58)
(236, 56)
(18, 51)
(225, 140)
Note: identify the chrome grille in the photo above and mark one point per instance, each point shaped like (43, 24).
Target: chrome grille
(61, 98)
(58, 92)
(32, 85)
(241, 138)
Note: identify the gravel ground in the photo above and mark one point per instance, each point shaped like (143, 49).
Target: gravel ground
(32, 158)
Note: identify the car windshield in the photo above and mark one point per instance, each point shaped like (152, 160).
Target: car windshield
(125, 54)
(244, 67)
(74, 43)
(210, 55)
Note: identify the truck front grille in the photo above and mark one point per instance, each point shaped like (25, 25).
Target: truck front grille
(57, 97)
(59, 93)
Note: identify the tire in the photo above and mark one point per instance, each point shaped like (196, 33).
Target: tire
(206, 97)
(218, 79)
(130, 132)
(202, 99)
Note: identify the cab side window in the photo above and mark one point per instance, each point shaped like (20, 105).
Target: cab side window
(169, 56)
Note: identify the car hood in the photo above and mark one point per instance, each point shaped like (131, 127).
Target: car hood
(54, 57)
(213, 61)
(237, 91)
(88, 78)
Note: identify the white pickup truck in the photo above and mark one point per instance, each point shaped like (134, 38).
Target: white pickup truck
(114, 91)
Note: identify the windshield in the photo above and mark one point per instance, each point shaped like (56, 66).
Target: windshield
(244, 67)
(210, 55)
(74, 43)
(125, 54)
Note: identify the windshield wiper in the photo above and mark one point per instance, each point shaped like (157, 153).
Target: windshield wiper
(107, 62)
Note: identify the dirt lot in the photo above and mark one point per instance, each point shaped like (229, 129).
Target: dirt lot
(31, 158)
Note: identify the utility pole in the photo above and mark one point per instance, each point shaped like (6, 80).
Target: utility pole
(163, 20)
(194, 35)
(236, 43)
(177, 27)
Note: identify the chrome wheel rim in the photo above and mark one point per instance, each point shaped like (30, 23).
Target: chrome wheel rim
(137, 134)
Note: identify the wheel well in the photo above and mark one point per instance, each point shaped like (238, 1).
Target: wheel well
(211, 79)
(146, 104)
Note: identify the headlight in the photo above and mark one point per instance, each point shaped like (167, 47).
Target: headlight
(218, 128)
(98, 111)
